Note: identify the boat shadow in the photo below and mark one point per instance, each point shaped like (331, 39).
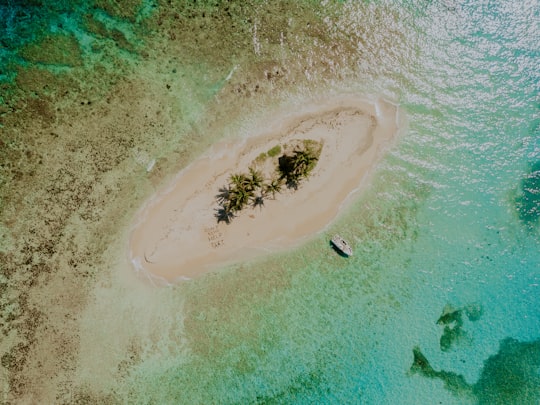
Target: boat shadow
(338, 251)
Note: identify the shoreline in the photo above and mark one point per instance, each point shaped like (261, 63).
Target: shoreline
(176, 235)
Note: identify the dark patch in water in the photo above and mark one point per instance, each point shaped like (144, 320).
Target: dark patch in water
(452, 381)
(474, 312)
(21, 21)
(125, 9)
(43, 33)
(452, 319)
(508, 377)
(54, 49)
(528, 199)
(511, 376)
(450, 336)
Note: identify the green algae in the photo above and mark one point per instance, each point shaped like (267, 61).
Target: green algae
(508, 377)
(59, 49)
(122, 9)
(63, 35)
(452, 319)
(450, 316)
(452, 381)
(117, 36)
(41, 82)
(511, 375)
(450, 336)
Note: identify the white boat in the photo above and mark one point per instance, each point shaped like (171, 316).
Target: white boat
(342, 245)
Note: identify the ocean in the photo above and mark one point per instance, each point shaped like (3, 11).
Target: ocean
(440, 302)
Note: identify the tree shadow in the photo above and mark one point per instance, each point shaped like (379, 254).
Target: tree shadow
(223, 215)
(223, 195)
(258, 201)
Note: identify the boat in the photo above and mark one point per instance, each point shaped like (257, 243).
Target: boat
(341, 245)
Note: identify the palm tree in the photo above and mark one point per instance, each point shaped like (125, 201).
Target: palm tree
(255, 179)
(297, 166)
(251, 188)
(293, 179)
(274, 186)
(289, 171)
(237, 180)
(304, 161)
(239, 198)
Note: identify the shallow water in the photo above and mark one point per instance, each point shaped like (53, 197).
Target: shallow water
(451, 224)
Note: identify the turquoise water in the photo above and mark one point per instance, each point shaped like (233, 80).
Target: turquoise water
(451, 237)
(447, 241)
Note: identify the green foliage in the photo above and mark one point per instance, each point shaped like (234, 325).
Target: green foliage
(255, 179)
(293, 168)
(276, 150)
(251, 188)
(261, 158)
(313, 145)
(273, 187)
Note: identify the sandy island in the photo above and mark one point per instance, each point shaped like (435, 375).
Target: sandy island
(177, 236)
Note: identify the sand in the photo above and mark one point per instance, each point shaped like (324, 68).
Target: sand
(176, 235)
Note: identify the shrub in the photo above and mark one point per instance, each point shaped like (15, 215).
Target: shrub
(276, 150)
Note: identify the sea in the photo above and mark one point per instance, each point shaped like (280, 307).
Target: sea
(440, 303)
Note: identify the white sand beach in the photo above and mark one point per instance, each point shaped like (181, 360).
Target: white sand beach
(176, 235)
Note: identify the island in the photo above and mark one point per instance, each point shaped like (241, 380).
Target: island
(265, 193)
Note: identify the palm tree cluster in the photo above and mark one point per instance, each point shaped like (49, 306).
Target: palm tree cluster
(242, 190)
(251, 188)
(297, 166)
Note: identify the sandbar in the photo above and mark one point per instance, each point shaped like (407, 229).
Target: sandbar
(176, 235)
